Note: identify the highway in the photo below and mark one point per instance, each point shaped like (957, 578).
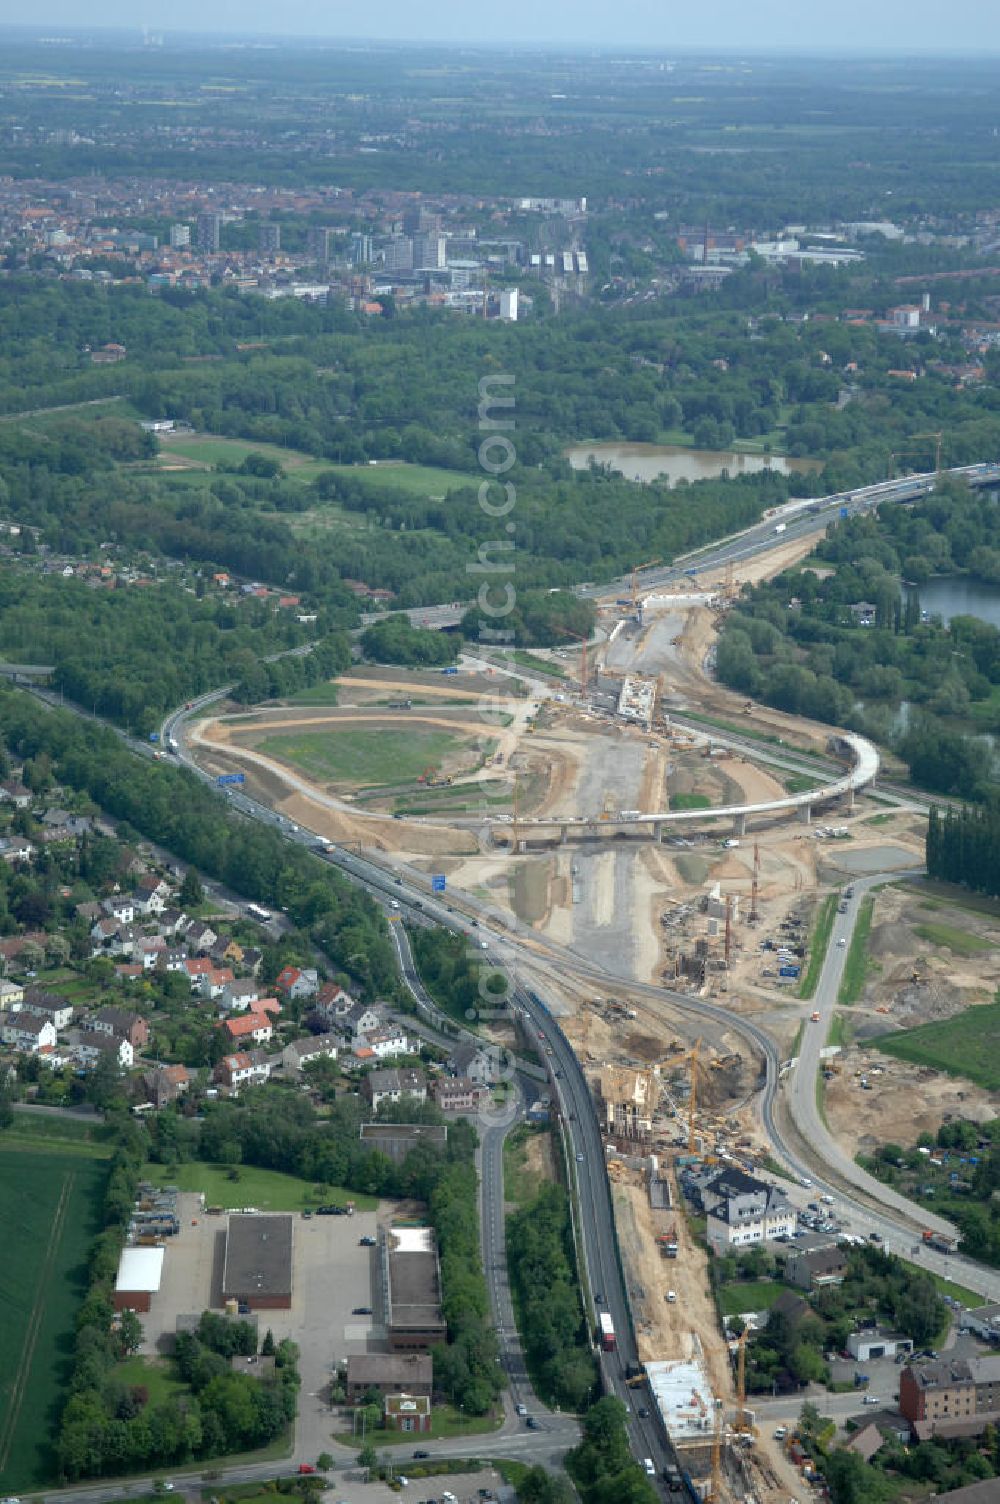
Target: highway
(795, 519)
(812, 1154)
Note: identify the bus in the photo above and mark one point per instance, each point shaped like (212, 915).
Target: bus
(254, 911)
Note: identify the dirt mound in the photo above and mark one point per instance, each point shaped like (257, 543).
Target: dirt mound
(643, 1047)
(889, 940)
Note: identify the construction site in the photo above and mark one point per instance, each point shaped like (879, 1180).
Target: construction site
(540, 809)
(657, 1120)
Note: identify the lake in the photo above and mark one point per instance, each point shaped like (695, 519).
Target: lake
(956, 595)
(673, 462)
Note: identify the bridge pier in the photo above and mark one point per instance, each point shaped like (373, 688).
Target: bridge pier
(806, 814)
(562, 835)
(739, 825)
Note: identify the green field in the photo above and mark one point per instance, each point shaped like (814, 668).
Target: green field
(51, 1214)
(153, 1374)
(960, 1293)
(852, 983)
(214, 449)
(371, 756)
(269, 1190)
(800, 783)
(315, 694)
(749, 1295)
(523, 659)
(33, 1134)
(418, 480)
(690, 801)
(967, 1045)
(446, 1423)
(959, 942)
(523, 1181)
(840, 1031)
(819, 940)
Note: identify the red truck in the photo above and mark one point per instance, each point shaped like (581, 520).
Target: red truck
(607, 1332)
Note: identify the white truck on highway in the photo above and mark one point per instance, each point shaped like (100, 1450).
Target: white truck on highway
(779, 527)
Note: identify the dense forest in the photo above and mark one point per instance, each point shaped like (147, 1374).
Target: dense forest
(325, 383)
(963, 846)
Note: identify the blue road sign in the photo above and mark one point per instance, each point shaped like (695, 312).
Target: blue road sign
(844, 512)
(438, 882)
(225, 778)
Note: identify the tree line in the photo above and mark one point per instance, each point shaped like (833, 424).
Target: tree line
(963, 846)
(545, 1284)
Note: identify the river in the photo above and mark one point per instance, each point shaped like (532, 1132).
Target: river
(673, 462)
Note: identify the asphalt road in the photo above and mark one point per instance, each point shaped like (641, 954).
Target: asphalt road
(893, 1217)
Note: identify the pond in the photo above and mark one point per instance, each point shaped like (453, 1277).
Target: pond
(674, 462)
(957, 595)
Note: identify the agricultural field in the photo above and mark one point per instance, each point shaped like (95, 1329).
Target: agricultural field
(966, 1045)
(370, 756)
(268, 1190)
(51, 1216)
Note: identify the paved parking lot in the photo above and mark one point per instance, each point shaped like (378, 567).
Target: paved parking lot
(465, 1486)
(331, 1275)
(883, 1373)
(189, 1270)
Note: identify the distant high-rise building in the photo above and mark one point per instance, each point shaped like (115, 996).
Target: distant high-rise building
(180, 237)
(209, 231)
(420, 222)
(429, 250)
(397, 254)
(318, 245)
(269, 238)
(508, 304)
(361, 249)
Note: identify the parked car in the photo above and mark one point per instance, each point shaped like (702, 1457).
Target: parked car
(367, 1241)
(362, 1310)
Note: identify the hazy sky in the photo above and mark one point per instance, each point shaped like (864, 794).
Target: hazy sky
(846, 25)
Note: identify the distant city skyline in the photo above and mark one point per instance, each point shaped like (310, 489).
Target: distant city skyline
(854, 26)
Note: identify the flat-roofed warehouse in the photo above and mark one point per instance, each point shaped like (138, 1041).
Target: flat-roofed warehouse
(258, 1263)
(139, 1273)
(411, 1285)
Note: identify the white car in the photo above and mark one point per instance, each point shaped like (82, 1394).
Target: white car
(521, 1409)
(871, 1399)
(805, 1181)
(841, 941)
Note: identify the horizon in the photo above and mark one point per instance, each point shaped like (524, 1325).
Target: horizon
(890, 29)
